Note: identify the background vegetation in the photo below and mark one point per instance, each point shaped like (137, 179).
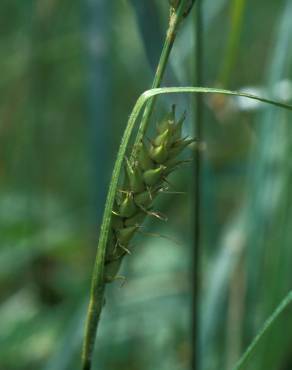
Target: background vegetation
(70, 74)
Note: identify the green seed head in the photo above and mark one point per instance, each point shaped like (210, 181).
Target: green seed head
(111, 269)
(154, 176)
(125, 235)
(164, 138)
(116, 221)
(134, 177)
(127, 207)
(164, 124)
(143, 157)
(135, 220)
(179, 146)
(110, 251)
(177, 129)
(144, 177)
(144, 199)
(159, 154)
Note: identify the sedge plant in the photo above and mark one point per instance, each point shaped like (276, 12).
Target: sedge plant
(150, 184)
(139, 175)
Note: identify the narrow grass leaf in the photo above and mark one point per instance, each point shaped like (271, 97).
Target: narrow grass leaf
(267, 325)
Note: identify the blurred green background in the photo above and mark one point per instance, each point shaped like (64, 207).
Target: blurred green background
(70, 74)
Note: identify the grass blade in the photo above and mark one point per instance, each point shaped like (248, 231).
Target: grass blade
(237, 16)
(197, 182)
(207, 90)
(270, 321)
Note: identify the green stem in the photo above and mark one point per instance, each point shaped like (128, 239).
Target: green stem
(98, 285)
(197, 190)
(175, 19)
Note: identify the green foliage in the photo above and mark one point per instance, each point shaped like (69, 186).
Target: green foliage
(57, 144)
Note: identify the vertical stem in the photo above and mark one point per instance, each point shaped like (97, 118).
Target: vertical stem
(174, 21)
(197, 190)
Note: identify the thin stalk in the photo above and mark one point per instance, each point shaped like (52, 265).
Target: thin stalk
(175, 19)
(197, 190)
(98, 285)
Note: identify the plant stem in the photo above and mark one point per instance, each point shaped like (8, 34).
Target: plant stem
(197, 190)
(173, 24)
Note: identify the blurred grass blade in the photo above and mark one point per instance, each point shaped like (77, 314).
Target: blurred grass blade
(100, 89)
(70, 341)
(270, 321)
(150, 28)
(233, 44)
(264, 195)
(269, 195)
(183, 50)
(212, 308)
(212, 9)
